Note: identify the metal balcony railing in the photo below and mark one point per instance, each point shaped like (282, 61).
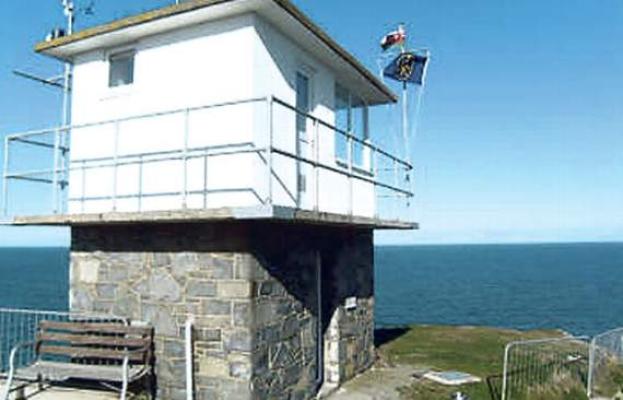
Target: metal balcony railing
(283, 138)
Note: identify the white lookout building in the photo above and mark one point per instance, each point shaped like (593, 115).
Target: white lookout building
(219, 165)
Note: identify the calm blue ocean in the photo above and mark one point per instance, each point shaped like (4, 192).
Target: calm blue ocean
(575, 287)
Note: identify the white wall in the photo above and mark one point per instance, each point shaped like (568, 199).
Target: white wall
(233, 59)
(277, 60)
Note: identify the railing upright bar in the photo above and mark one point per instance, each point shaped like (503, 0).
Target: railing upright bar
(375, 177)
(350, 175)
(84, 184)
(205, 181)
(316, 166)
(115, 166)
(505, 373)
(269, 148)
(64, 168)
(140, 183)
(185, 158)
(5, 179)
(55, 196)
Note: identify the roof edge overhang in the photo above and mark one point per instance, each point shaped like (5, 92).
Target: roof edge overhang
(65, 48)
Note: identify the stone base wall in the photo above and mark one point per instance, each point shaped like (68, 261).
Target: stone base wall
(252, 289)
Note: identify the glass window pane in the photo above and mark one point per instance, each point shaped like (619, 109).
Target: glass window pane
(121, 69)
(302, 104)
(360, 129)
(342, 121)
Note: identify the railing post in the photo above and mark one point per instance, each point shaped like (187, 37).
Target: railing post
(55, 195)
(591, 365)
(140, 183)
(205, 180)
(5, 179)
(185, 159)
(395, 172)
(505, 372)
(269, 149)
(84, 183)
(316, 166)
(350, 173)
(64, 168)
(375, 174)
(115, 167)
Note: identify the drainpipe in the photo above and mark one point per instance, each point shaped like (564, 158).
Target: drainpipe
(319, 333)
(190, 384)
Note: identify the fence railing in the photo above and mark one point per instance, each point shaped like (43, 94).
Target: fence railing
(605, 377)
(278, 132)
(538, 368)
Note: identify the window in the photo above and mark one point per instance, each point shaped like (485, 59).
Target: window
(342, 121)
(121, 69)
(351, 116)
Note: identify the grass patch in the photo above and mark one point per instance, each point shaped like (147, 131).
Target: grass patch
(475, 350)
(609, 379)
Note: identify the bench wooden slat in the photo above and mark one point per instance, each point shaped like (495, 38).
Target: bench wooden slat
(93, 327)
(85, 352)
(95, 340)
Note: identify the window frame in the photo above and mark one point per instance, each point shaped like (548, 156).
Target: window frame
(351, 124)
(122, 54)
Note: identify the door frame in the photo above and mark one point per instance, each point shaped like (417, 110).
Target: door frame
(301, 177)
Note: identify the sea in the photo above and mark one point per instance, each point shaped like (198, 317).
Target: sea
(574, 287)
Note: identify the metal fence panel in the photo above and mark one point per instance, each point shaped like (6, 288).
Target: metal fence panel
(605, 378)
(538, 368)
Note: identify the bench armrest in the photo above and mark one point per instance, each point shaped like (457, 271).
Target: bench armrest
(13, 354)
(16, 350)
(126, 366)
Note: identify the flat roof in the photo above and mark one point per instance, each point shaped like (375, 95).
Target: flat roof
(279, 12)
(257, 213)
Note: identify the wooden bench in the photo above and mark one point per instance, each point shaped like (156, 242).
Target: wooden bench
(109, 353)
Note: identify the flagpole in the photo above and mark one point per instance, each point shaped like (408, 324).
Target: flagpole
(405, 121)
(405, 108)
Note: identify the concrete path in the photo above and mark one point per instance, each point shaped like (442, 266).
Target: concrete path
(57, 393)
(377, 384)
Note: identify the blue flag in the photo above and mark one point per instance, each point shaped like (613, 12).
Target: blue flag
(407, 67)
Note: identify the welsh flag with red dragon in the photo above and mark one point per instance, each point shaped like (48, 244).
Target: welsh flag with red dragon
(395, 38)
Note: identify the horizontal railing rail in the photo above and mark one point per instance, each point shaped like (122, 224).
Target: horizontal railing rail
(377, 167)
(345, 134)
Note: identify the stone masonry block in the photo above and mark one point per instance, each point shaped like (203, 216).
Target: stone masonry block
(197, 288)
(214, 367)
(234, 289)
(216, 307)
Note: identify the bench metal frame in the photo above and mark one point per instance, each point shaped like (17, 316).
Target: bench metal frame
(128, 355)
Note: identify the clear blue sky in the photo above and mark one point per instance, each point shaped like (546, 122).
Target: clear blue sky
(521, 135)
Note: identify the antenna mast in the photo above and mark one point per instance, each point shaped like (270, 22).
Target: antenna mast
(69, 11)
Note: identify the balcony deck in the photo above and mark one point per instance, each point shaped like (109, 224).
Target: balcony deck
(264, 213)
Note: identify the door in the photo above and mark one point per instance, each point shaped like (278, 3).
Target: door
(303, 137)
